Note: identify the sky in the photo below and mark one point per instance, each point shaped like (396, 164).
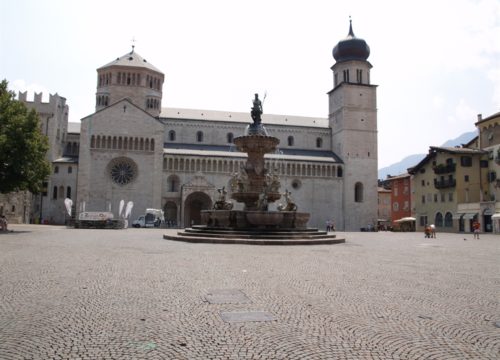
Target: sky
(436, 63)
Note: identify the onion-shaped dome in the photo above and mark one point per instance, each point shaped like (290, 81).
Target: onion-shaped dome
(351, 48)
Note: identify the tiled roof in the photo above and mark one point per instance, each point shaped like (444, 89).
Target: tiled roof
(230, 151)
(242, 117)
(131, 59)
(74, 127)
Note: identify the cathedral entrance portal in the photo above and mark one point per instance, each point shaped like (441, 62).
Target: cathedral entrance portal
(193, 205)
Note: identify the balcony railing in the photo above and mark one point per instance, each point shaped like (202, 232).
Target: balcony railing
(443, 184)
(445, 168)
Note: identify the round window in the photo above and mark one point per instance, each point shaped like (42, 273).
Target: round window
(122, 171)
(296, 184)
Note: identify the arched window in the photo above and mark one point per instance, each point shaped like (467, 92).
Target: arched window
(290, 141)
(173, 183)
(439, 219)
(339, 171)
(448, 220)
(199, 136)
(319, 142)
(92, 141)
(68, 192)
(54, 192)
(358, 192)
(171, 135)
(152, 145)
(56, 169)
(230, 138)
(70, 169)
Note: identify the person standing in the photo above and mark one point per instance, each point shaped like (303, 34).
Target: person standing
(3, 223)
(476, 227)
(433, 231)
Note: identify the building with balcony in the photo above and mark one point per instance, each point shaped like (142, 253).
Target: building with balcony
(444, 180)
(489, 141)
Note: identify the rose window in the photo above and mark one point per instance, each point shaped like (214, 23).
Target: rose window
(122, 171)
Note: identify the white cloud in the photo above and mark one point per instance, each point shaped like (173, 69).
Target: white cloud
(438, 101)
(494, 76)
(464, 115)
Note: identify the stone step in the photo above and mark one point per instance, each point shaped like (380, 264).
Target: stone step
(255, 241)
(256, 235)
(205, 229)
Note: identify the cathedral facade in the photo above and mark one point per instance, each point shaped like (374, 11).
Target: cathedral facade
(134, 149)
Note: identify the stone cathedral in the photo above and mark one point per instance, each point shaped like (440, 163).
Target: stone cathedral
(134, 149)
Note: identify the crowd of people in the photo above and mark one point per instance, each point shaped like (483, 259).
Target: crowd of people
(330, 225)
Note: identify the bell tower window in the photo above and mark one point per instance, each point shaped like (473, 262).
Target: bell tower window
(346, 75)
(359, 76)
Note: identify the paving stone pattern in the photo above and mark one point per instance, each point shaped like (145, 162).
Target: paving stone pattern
(129, 294)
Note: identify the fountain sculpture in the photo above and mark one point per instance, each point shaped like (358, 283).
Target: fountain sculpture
(256, 187)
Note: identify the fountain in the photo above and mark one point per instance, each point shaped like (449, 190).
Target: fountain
(256, 187)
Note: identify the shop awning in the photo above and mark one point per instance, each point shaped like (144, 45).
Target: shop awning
(406, 219)
(465, 216)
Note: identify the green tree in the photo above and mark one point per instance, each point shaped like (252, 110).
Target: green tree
(22, 146)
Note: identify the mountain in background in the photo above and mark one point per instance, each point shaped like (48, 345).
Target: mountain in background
(412, 160)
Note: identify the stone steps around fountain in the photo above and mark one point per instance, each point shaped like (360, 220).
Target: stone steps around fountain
(257, 233)
(255, 237)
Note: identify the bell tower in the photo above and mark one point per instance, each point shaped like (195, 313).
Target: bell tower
(353, 120)
(131, 77)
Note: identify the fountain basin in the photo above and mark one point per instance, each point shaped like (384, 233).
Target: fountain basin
(259, 144)
(265, 219)
(250, 198)
(242, 220)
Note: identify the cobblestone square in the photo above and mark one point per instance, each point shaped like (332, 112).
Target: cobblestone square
(129, 294)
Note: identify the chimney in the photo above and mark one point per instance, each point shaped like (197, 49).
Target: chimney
(479, 117)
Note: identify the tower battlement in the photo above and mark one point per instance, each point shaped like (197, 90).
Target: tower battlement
(54, 99)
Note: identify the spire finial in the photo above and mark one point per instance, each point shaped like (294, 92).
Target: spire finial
(133, 44)
(351, 33)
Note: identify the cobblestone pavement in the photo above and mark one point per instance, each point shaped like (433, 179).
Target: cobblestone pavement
(129, 294)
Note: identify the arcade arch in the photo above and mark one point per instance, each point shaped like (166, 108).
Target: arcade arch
(193, 205)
